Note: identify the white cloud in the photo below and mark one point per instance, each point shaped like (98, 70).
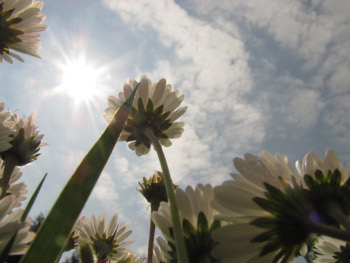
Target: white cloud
(105, 191)
(211, 67)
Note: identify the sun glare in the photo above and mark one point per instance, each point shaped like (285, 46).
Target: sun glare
(80, 80)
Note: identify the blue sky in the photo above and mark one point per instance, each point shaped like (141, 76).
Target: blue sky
(257, 75)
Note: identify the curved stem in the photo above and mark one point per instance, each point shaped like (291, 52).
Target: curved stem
(174, 211)
(323, 229)
(337, 214)
(307, 258)
(10, 164)
(152, 228)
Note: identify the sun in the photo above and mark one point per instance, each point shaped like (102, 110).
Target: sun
(80, 80)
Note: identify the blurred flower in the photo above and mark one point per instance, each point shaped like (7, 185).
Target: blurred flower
(26, 141)
(106, 240)
(198, 223)
(9, 224)
(20, 24)
(6, 130)
(158, 256)
(154, 190)
(330, 250)
(19, 190)
(154, 107)
(329, 184)
(267, 207)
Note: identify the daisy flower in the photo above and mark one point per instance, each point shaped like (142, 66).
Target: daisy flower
(20, 24)
(330, 250)
(329, 185)
(155, 107)
(26, 141)
(106, 240)
(265, 209)
(197, 217)
(10, 223)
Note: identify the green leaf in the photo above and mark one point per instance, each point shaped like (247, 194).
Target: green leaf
(32, 199)
(53, 234)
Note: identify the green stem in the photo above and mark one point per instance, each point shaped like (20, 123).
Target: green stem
(174, 211)
(337, 214)
(307, 258)
(152, 228)
(323, 229)
(10, 165)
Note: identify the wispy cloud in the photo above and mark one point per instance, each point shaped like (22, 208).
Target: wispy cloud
(105, 191)
(211, 67)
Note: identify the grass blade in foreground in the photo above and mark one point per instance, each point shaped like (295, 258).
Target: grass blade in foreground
(53, 234)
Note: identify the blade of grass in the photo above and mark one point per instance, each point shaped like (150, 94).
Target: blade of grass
(32, 199)
(54, 232)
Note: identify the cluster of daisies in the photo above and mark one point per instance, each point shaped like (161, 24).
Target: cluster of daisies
(267, 212)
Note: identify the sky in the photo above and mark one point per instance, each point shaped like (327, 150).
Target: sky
(257, 75)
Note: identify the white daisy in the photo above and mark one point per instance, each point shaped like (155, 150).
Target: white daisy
(20, 24)
(155, 107)
(241, 201)
(10, 223)
(312, 162)
(330, 250)
(18, 189)
(106, 240)
(328, 183)
(26, 141)
(197, 217)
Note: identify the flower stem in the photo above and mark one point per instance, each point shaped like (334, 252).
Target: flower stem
(323, 229)
(307, 258)
(10, 165)
(174, 211)
(337, 214)
(152, 228)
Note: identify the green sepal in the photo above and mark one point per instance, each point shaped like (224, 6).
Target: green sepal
(270, 247)
(7, 14)
(265, 236)
(319, 176)
(158, 111)
(202, 223)
(15, 20)
(264, 222)
(310, 182)
(150, 106)
(265, 204)
(140, 106)
(215, 225)
(335, 178)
